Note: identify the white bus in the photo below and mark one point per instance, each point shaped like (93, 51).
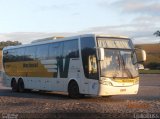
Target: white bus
(80, 65)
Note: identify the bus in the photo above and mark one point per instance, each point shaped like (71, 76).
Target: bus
(89, 64)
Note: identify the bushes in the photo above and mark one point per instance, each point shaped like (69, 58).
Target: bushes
(8, 43)
(153, 65)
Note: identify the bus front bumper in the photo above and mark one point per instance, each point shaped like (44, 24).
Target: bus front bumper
(105, 90)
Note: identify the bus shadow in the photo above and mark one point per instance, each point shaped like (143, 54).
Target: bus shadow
(33, 94)
(87, 98)
(120, 98)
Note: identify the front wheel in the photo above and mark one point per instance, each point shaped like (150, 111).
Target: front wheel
(73, 90)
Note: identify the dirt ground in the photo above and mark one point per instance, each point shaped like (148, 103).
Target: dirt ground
(53, 105)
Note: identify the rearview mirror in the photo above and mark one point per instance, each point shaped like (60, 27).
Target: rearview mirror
(141, 55)
(101, 54)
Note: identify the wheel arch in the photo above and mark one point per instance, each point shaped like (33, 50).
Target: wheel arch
(74, 89)
(71, 81)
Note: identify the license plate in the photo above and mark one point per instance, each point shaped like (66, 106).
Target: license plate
(122, 90)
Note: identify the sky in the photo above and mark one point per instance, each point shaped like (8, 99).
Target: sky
(28, 20)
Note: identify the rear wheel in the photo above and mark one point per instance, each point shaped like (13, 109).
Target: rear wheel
(14, 85)
(20, 85)
(73, 90)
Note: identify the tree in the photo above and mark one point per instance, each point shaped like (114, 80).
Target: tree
(9, 43)
(157, 33)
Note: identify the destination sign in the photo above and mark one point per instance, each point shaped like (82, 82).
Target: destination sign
(114, 43)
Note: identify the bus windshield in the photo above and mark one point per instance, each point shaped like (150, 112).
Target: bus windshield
(120, 58)
(119, 63)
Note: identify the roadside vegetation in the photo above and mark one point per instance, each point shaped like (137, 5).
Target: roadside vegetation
(141, 71)
(8, 43)
(5, 44)
(152, 63)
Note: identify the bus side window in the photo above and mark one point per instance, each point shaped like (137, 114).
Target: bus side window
(42, 52)
(5, 56)
(12, 55)
(71, 49)
(89, 59)
(9, 56)
(20, 54)
(30, 53)
(55, 50)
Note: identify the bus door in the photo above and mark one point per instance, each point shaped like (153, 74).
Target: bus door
(92, 74)
(75, 72)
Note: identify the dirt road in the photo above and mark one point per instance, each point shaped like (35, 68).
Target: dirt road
(51, 105)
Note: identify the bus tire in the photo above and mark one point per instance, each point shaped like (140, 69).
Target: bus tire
(14, 85)
(73, 90)
(21, 85)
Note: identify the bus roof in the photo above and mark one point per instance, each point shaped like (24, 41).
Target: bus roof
(53, 39)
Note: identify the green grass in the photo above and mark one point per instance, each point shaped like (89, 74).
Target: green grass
(149, 71)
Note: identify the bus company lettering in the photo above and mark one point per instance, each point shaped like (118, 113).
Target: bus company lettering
(28, 65)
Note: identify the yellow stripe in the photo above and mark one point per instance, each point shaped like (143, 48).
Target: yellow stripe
(31, 69)
(127, 80)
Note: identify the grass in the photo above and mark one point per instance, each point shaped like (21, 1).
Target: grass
(149, 71)
(153, 52)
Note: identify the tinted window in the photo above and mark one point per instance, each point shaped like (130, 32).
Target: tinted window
(42, 51)
(5, 56)
(11, 55)
(30, 53)
(20, 54)
(55, 50)
(70, 49)
(89, 59)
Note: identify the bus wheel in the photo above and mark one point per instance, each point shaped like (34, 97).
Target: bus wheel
(73, 90)
(20, 85)
(14, 85)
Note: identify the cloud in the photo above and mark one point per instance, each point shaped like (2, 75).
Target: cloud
(141, 33)
(145, 22)
(137, 32)
(62, 5)
(59, 8)
(27, 37)
(53, 7)
(4, 37)
(144, 18)
(147, 19)
(120, 29)
(147, 7)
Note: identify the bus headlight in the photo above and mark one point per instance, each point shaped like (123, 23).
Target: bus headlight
(106, 83)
